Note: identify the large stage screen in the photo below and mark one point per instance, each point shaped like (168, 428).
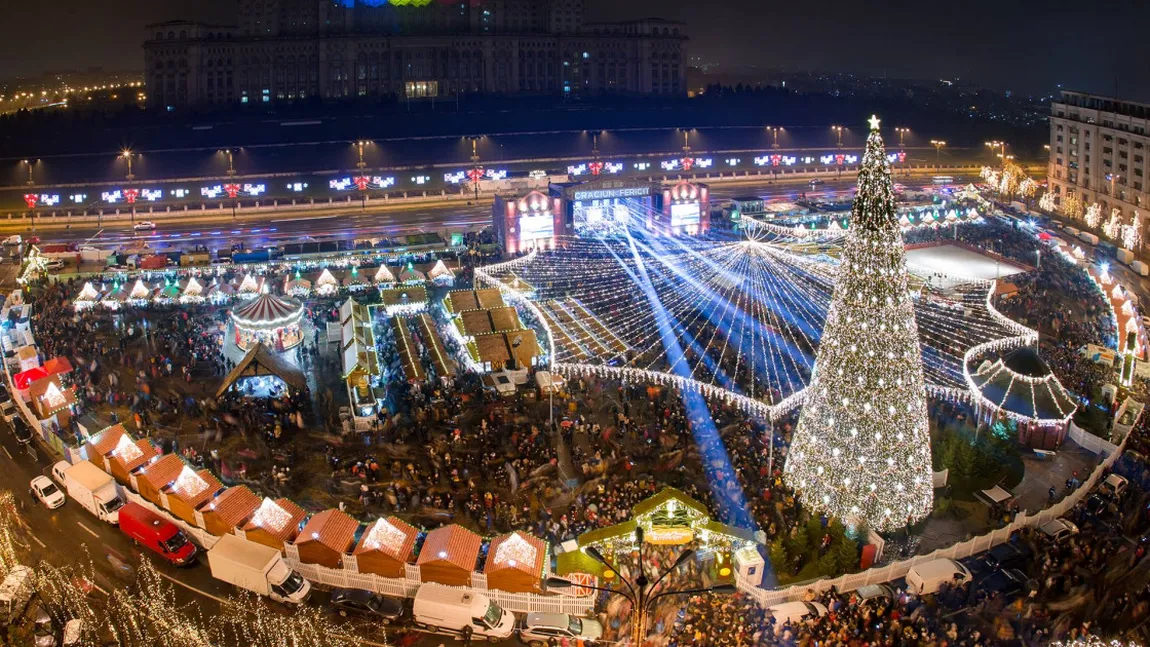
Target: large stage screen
(533, 227)
(685, 214)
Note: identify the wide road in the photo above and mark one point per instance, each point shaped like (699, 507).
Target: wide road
(262, 229)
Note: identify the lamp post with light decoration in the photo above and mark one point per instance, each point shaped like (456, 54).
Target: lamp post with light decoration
(640, 592)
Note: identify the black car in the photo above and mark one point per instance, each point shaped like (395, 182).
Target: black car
(1006, 582)
(4, 395)
(360, 602)
(21, 430)
(1008, 555)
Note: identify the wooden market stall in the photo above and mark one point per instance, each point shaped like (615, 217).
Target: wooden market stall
(275, 523)
(460, 300)
(386, 547)
(517, 563)
(128, 456)
(326, 538)
(100, 445)
(51, 397)
(229, 510)
(514, 350)
(189, 491)
(449, 556)
(157, 475)
(407, 351)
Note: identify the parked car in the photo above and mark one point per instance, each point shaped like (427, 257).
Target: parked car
(144, 225)
(541, 629)
(1059, 529)
(875, 592)
(1115, 484)
(47, 492)
(14, 239)
(54, 265)
(1007, 581)
(795, 612)
(928, 577)
(21, 430)
(58, 472)
(360, 602)
(1008, 555)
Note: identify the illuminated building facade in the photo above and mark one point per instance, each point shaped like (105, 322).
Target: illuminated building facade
(288, 50)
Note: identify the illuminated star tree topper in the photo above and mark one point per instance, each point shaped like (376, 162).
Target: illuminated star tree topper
(861, 450)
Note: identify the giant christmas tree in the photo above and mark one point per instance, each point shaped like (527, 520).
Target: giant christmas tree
(862, 446)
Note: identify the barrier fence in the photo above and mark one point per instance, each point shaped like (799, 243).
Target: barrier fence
(982, 543)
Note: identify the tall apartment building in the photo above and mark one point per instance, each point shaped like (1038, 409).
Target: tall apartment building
(1098, 149)
(287, 50)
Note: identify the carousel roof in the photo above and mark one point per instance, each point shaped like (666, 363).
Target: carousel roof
(268, 311)
(1022, 384)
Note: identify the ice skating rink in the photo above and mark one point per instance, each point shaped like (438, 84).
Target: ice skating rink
(955, 261)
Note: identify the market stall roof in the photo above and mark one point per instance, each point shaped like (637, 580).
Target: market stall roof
(235, 505)
(51, 394)
(407, 294)
(492, 320)
(499, 348)
(279, 518)
(193, 487)
(131, 455)
(140, 290)
(58, 366)
(162, 471)
(453, 544)
(995, 495)
(460, 300)
(25, 379)
(107, 440)
(665, 496)
(332, 528)
(518, 551)
(391, 536)
(268, 312)
(440, 271)
(383, 275)
(261, 361)
(1021, 383)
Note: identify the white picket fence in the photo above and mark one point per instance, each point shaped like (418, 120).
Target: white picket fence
(406, 587)
(982, 543)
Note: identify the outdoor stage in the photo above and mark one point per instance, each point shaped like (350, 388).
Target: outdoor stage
(957, 261)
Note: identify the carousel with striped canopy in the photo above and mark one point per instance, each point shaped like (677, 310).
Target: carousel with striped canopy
(269, 320)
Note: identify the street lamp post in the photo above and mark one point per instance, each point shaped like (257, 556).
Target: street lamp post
(30, 184)
(775, 132)
(475, 170)
(231, 173)
(997, 148)
(938, 146)
(361, 165)
(640, 593)
(127, 155)
(838, 131)
(901, 135)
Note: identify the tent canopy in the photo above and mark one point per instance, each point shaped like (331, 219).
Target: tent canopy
(261, 361)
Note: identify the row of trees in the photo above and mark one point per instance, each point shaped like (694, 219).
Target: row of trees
(1011, 182)
(147, 613)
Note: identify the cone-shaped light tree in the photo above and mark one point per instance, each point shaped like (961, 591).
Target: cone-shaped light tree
(861, 450)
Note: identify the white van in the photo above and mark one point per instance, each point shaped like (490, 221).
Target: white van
(796, 612)
(928, 577)
(454, 611)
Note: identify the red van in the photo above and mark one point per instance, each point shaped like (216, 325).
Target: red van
(160, 535)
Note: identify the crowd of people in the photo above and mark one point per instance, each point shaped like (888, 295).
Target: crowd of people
(451, 449)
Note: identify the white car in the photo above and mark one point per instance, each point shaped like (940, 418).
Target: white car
(58, 472)
(47, 492)
(539, 629)
(54, 265)
(144, 224)
(1059, 529)
(795, 612)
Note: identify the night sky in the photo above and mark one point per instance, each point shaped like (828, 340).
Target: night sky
(1023, 45)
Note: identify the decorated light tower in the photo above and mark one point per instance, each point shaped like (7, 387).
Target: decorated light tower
(861, 450)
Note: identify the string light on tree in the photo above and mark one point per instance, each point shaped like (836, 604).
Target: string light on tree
(1046, 202)
(1113, 226)
(861, 450)
(1093, 216)
(1132, 233)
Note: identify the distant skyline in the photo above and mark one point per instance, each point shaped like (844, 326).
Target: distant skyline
(1025, 46)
